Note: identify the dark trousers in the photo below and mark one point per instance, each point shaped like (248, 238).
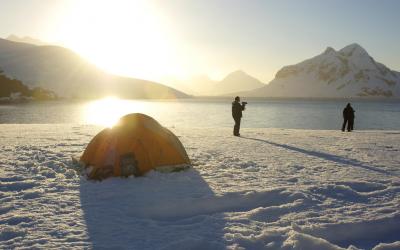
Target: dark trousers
(236, 128)
(350, 124)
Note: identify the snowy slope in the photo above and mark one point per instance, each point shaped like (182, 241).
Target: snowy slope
(349, 72)
(271, 189)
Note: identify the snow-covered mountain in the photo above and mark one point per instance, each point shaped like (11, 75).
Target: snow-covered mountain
(234, 82)
(61, 70)
(349, 72)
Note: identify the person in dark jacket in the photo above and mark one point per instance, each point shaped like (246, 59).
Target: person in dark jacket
(348, 117)
(237, 109)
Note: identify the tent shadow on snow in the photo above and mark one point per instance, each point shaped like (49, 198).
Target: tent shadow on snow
(325, 156)
(159, 210)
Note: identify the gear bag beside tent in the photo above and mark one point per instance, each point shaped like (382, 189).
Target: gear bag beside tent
(136, 145)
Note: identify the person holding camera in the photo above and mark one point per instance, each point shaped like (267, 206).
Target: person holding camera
(237, 109)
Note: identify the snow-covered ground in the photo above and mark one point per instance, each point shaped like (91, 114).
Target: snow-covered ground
(270, 189)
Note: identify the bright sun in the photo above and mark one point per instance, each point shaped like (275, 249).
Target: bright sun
(122, 36)
(106, 112)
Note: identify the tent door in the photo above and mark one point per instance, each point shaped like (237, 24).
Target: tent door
(129, 165)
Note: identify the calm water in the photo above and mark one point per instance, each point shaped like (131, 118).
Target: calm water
(298, 114)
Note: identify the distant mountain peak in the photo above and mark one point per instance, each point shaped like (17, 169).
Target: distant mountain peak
(352, 46)
(237, 74)
(26, 39)
(353, 49)
(12, 37)
(329, 50)
(235, 81)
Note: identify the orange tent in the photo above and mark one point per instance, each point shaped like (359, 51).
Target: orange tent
(136, 145)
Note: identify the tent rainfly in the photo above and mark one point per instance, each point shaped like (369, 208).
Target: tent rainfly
(136, 145)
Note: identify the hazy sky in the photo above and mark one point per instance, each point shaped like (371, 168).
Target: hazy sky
(179, 38)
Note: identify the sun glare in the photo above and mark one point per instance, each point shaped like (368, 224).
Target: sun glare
(122, 36)
(106, 112)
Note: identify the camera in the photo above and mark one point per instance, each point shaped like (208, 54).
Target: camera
(244, 103)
